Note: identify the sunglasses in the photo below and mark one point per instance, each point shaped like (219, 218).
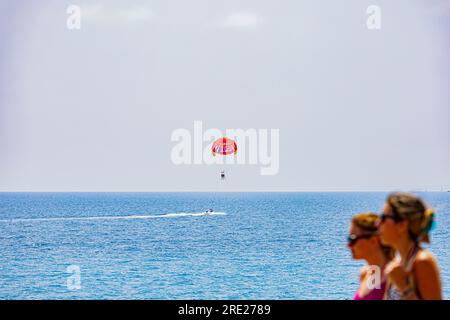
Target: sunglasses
(384, 217)
(353, 238)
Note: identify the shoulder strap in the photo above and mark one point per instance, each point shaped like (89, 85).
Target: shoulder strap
(410, 269)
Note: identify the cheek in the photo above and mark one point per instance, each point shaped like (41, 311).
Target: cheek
(389, 229)
(358, 248)
(384, 232)
(355, 253)
(366, 246)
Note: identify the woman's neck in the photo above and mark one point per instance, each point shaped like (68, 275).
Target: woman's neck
(378, 259)
(404, 248)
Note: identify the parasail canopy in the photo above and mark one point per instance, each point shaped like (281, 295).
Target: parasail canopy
(224, 146)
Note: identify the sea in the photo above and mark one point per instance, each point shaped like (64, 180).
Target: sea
(254, 245)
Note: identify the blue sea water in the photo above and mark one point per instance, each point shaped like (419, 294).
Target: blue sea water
(159, 246)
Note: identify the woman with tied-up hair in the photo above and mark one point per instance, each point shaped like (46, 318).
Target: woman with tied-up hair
(404, 225)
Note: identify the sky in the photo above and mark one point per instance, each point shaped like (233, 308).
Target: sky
(94, 109)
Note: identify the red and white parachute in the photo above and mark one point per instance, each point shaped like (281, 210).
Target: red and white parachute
(224, 146)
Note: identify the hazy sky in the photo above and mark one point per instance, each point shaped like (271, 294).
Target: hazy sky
(94, 109)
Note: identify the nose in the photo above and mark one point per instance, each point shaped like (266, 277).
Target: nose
(378, 223)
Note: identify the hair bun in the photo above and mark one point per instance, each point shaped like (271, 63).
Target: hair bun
(428, 224)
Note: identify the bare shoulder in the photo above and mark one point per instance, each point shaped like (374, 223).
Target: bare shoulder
(425, 260)
(427, 278)
(425, 255)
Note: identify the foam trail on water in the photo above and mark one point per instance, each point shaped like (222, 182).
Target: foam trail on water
(167, 215)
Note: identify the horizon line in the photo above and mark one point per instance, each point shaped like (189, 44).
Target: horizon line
(214, 191)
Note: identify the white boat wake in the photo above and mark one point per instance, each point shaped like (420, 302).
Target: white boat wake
(168, 215)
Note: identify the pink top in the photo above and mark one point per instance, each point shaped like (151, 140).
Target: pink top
(374, 294)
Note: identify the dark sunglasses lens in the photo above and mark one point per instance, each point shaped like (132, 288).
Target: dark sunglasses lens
(351, 239)
(384, 217)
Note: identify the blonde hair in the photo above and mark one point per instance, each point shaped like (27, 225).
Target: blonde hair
(414, 210)
(368, 223)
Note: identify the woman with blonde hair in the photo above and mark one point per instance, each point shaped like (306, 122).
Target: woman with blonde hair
(365, 244)
(405, 223)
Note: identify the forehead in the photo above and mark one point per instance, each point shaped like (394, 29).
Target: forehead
(387, 208)
(355, 229)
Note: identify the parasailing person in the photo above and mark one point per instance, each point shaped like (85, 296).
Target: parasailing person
(224, 146)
